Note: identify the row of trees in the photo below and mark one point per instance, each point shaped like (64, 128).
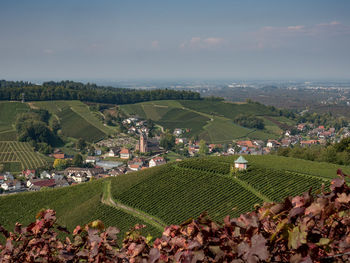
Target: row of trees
(69, 90)
(338, 153)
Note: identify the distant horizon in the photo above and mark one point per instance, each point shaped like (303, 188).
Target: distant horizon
(176, 80)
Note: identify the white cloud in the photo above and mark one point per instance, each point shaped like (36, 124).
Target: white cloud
(333, 23)
(295, 28)
(199, 43)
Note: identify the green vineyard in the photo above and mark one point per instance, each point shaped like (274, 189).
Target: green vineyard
(168, 194)
(75, 205)
(17, 156)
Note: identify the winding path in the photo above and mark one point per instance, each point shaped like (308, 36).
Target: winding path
(108, 200)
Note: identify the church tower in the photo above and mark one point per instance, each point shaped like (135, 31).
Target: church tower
(143, 143)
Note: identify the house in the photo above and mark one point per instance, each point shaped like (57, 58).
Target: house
(241, 163)
(134, 167)
(11, 185)
(28, 173)
(156, 161)
(231, 151)
(2, 179)
(309, 142)
(124, 154)
(8, 176)
(92, 159)
(180, 140)
(98, 152)
(59, 156)
(248, 144)
(37, 184)
(118, 171)
(79, 177)
(273, 144)
(45, 175)
(81, 174)
(177, 132)
(286, 142)
(193, 149)
(57, 176)
(301, 126)
(113, 152)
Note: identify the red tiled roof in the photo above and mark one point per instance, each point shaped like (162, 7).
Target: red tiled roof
(59, 155)
(126, 151)
(246, 143)
(42, 183)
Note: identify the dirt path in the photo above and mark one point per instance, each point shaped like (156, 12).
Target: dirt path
(107, 199)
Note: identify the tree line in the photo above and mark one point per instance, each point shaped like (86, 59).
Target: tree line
(70, 90)
(338, 153)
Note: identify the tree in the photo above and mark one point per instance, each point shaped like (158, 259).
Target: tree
(167, 141)
(55, 126)
(60, 164)
(78, 160)
(203, 148)
(81, 144)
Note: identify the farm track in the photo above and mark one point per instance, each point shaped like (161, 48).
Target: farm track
(107, 200)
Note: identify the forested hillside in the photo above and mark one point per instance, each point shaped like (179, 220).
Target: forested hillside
(69, 90)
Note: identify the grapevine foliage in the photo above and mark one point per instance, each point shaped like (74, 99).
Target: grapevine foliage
(305, 228)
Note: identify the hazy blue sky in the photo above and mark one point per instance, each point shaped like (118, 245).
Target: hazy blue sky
(85, 39)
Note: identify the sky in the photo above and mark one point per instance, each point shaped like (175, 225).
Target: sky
(207, 39)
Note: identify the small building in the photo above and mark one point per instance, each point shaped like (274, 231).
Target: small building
(113, 152)
(241, 163)
(37, 184)
(92, 159)
(156, 161)
(124, 154)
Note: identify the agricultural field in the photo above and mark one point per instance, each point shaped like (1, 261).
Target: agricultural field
(17, 156)
(211, 121)
(76, 119)
(75, 205)
(172, 193)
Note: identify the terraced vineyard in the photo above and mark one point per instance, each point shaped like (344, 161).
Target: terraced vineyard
(17, 156)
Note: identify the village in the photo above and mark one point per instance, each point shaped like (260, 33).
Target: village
(126, 154)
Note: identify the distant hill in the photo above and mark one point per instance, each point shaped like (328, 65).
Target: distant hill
(172, 193)
(212, 121)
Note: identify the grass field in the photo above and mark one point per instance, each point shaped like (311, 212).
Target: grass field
(17, 156)
(172, 193)
(209, 120)
(76, 119)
